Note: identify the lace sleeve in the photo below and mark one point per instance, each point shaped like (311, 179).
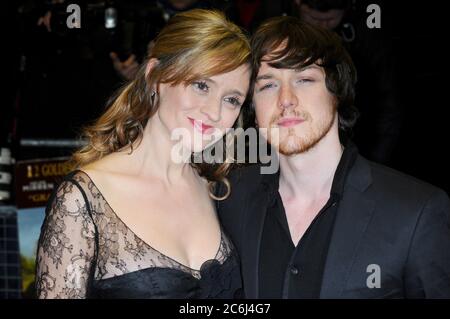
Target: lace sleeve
(66, 246)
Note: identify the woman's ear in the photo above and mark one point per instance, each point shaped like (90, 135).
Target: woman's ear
(150, 66)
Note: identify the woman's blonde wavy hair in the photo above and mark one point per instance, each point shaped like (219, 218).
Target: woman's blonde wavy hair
(193, 45)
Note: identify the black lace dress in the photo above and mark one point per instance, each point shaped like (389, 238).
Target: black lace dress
(86, 251)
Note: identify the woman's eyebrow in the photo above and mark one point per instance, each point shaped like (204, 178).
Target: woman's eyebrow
(236, 92)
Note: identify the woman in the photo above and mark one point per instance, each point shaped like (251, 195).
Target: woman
(131, 222)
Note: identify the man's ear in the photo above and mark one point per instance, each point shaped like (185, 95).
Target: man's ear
(150, 66)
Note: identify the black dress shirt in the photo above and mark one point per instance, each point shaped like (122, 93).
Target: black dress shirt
(295, 271)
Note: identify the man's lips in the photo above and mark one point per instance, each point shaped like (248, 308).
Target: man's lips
(289, 121)
(198, 125)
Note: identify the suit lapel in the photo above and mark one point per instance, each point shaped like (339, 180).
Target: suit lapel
(253, 228)
(353, 216)
(257, 205)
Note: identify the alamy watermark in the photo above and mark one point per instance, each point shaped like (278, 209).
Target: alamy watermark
(73, 21)
(374, 279)
(373, 21)
(234, 146)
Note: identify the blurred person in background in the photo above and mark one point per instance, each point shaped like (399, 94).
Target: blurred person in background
(74, 71)
(128, 65)
(250, 13)
(378, 128)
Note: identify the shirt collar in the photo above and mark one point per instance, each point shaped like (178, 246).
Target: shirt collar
(349, 155)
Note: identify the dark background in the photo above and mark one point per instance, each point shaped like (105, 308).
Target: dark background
(58, 83)
(418, 31)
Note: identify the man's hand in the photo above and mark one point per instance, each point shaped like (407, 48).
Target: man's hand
(45, 21)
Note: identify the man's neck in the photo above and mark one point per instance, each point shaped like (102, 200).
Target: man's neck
(310, 175)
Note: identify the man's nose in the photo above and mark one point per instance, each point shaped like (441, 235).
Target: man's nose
(287, 98)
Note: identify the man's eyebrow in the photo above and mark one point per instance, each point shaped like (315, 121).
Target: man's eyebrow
(311, 66)
(269, 76)
(264, 77)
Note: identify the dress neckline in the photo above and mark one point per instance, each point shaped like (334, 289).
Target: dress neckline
(147, 244)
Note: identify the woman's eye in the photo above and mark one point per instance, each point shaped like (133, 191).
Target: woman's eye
(202, 86)
(234, 101)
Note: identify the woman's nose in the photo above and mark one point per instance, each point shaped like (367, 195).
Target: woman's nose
(212, 111)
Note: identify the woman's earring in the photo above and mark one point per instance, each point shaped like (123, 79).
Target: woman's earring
(153, 96)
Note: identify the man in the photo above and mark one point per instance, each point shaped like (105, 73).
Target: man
(329, 224)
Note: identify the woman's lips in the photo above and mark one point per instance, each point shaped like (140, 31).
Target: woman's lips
(289, 121)
(199, 126)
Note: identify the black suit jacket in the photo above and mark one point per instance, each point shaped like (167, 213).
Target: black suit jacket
(384, 218)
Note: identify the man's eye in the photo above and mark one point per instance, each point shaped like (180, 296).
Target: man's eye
(305, 80)
(264, 87)
(201, 85)
(234, 101)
